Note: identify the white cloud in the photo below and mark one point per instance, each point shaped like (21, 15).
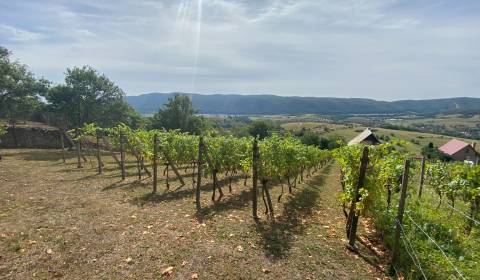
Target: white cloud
(350, 48)
(12, 33)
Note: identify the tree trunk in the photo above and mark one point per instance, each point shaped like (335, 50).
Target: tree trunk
(216, 186)
(166, 171)
(289, 185)
(269, 199)
(193, 174)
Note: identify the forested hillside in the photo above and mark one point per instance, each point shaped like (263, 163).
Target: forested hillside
(272, 105)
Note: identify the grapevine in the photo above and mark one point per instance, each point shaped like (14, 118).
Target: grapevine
(281, 158)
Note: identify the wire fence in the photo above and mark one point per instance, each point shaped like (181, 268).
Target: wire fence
(410, 251)
(413, 242)
(463, 214)
(436, 244)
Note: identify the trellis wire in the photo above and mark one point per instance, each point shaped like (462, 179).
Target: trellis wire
(463, 214)
(414, 258)
(396, 272)
(436, 244)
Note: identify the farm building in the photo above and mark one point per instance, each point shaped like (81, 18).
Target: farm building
(366, 137)
(460, 150)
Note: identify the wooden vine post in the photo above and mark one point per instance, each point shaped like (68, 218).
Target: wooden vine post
(352, 220)
(99, 154)
(155, 167)
(266, 195)
(122, 155)
(167, 181)
(174, 168)
(63, 145)
(422, 177)
(255, 179)
(213, 174)
(139, 169)
(138, 156)
(193, 174)
(77, 144)
(199, 174)
(399, 219)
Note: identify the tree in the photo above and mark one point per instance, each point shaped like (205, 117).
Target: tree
(19, 90)
(89, 97)
(262, 128)
(178, 113)
(432, 152)
(310, 138)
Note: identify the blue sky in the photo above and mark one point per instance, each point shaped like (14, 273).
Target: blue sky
(381, 49)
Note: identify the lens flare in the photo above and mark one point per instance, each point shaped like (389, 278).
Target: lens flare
(188, 27)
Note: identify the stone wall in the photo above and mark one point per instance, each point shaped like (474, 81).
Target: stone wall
(32, 137)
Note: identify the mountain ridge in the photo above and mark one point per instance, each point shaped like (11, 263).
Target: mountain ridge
(264, 104)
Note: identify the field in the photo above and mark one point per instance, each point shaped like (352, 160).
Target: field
(57, 221)
(350, 131)
(450, 121)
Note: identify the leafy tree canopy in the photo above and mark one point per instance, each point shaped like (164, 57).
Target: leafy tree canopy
(19, 89)
(262, 128)
(178, 113)
(89, 97)
(432, 152)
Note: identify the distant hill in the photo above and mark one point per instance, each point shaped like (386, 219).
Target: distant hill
(275, 105)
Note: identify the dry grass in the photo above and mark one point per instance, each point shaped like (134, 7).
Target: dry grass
(57, 221)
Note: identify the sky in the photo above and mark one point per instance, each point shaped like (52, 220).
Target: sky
(380, 49)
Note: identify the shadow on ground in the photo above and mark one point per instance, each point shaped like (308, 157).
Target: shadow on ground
(277, 236)
(239, 201)
(143, 183)
(44, 155)
(176, 194)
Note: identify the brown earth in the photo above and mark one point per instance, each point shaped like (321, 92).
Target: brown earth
(57, 221)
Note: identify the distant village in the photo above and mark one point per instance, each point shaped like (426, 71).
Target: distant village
(454, 149)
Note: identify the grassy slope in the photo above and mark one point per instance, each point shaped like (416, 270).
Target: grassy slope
(446, 226)
(348, 132)
(449, 121)
(56, 220)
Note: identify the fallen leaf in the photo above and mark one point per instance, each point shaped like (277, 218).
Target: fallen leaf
(184, 263)
(49, 251)
(239, 248)
(167, 271)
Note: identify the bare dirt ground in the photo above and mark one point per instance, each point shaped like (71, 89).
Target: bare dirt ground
(57, 221)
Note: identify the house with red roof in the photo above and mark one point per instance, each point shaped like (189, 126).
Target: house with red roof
(460, 150)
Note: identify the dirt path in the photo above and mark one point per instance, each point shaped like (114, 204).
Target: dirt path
(58, 221)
